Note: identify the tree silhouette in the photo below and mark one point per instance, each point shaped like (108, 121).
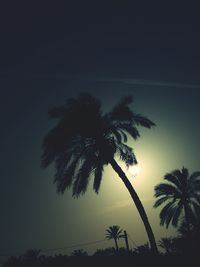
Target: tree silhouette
(79, 253)
(181, 196)
(85, 140)
(114, 232)
(142, 250)
(167, 244)
(105, 252)
(194, 226)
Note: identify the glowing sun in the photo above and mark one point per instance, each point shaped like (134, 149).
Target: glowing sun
(134, 170)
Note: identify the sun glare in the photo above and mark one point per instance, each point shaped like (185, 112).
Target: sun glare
(134, 170)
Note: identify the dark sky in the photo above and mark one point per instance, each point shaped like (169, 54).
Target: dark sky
(51, 52)
(112, 39)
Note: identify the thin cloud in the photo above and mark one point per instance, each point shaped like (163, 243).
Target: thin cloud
(117, 205)
(160, 83)
(144, 82)
(156, 83)
(122, 204)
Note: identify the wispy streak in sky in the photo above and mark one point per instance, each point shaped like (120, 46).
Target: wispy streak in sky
(159, 83)
(143, 82)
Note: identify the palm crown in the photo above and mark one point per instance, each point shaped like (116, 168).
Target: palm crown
(181, 195)
(114, 232)
(85, 139)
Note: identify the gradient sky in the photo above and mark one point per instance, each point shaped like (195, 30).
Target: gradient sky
(52, 53)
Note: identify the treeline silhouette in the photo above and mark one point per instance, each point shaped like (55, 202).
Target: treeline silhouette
(174, 246)
(182, 245)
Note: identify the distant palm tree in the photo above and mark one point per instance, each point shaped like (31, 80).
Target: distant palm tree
(85, 140)
(114, 232)
(181, 195)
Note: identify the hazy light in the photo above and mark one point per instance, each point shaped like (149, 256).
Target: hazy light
(134, 170)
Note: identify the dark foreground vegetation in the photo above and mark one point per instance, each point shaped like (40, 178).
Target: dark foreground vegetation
(173, 251)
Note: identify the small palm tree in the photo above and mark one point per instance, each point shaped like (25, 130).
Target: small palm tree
(85, 140)
(114, 232)
(181, 195)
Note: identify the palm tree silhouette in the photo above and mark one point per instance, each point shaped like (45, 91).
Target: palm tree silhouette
(85, 140)
(114, 232)
(181, 195)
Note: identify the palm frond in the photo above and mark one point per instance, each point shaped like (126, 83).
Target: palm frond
(129, 128)
(176, 215)
(98, 177)
(124, 136)
(56, 142)
(119, 135)
(185, 174)
(174, 178)
(195, 176)
(51, 147)
(161, 200)
(195, 186)
(116, 134)
(143, 121)
(126, 154)
(179, 176)
(81, 179)
(63, 179)
(166, 190)
(195, 207)
(167, 213)
(69, 163)
(122, 112)
(167, 243)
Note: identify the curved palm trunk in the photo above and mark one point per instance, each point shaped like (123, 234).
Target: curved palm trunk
(138, 204)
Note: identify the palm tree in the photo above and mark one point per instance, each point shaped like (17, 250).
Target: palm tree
(114, 232)
(85, 140)
(181, 196)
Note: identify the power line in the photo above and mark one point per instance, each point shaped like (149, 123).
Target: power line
(54, 249)
(134, 244)
(77, 245)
